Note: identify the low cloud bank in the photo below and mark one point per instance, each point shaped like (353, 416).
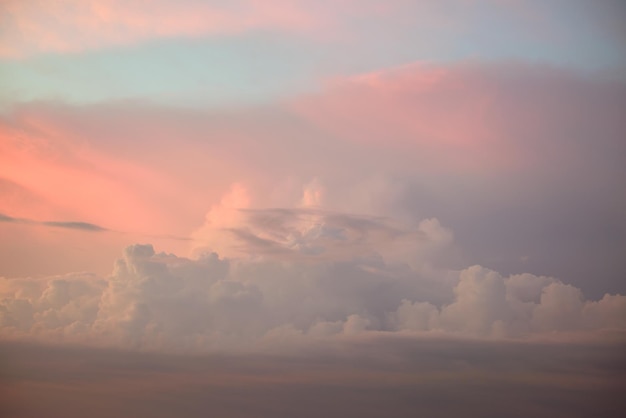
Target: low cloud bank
(307, 275)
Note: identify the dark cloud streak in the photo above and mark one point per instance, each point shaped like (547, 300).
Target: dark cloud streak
(82, 226)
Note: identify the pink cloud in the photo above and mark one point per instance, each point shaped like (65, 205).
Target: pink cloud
(466, 117)
(65, 26)
(414, 120)
(475, 143)
(442, 111)
(52, 163)
(33, 26)
(144, 173)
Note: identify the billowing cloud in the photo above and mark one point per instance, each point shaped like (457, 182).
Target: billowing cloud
(532, 151)
(423, 239)
(160, 301)
(313, 232)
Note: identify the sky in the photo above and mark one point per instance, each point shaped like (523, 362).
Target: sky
(256, 208)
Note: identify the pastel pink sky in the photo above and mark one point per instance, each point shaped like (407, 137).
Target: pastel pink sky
(149, 170)
(354, 208)
(127, 165)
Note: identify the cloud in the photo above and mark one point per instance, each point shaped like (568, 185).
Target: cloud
(304, 301)
(67, 26)
(469, 116)
(493, 134)
(70, 179)
(315, 233)
(5, 218)
(160, 301)
(486, 303)
(36, 26)
(474, 146)
(83, 226)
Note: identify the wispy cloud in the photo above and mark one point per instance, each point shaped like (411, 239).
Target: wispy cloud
(85, 226)
(82, 226)
(75, 225)
(32, 26)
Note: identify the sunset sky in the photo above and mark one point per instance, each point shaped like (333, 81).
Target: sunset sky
(388, 208)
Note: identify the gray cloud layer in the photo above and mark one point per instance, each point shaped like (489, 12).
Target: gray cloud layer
(357, 377)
